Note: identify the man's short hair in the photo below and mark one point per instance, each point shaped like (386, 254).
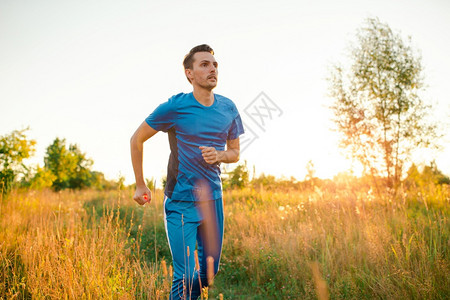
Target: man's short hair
(189, 58)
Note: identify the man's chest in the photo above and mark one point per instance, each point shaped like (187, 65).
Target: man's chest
(200, 123)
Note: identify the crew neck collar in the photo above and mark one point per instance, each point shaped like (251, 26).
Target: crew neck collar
(204, 106)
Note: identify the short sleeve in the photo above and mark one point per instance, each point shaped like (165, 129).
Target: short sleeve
(236, 128)
(163, 117)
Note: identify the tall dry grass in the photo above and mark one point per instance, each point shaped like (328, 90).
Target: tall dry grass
(51, 247)
(342, 243)
(367, 246)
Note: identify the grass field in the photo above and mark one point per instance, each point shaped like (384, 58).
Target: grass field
(341, 243)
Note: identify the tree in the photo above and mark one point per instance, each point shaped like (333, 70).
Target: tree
(69, 166)
(310, 174)
(37, 178)
(81, 175)
(14, 148)
(377, 106)
(238, 178)
(430, 174)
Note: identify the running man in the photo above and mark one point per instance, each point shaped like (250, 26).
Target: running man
(199, 125)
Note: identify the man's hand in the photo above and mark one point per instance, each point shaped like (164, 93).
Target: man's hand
(142, 195)
(210, 154)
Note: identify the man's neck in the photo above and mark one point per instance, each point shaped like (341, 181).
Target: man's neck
(204, 96)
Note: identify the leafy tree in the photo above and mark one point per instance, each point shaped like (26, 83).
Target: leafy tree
(14, 148)
(38, 178)
(121, 182)
(69, 166)
(310, 170)
(58, 163)
(81, 175)
(310, 178)
(99, 182)
(377, 106)
(434, 174)
(150, 183)
(429, 174)
(238, 178)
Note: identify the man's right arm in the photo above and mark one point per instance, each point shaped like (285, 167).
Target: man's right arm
(143, 133)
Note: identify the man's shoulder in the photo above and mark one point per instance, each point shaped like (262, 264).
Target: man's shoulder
(176, 100)
(226, 103)
(178, 96)
(225, 100)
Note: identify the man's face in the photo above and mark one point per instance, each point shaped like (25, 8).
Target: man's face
(204, 71)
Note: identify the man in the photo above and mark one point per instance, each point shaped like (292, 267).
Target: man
(199, 125)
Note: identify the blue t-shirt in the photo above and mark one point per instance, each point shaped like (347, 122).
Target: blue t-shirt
(189, 125)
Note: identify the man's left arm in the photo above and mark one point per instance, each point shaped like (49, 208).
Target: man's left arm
(230, 155)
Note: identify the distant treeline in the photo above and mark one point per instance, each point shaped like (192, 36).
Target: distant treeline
(415, 177)
(65, 166)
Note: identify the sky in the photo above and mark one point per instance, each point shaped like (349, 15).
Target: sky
(92, 71)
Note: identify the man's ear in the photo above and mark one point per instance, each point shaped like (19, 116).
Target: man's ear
(189, 74)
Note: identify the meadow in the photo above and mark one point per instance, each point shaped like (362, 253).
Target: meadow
(339, 242)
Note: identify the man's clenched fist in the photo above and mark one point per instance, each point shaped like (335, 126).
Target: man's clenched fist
(142, 195)
(210, 154)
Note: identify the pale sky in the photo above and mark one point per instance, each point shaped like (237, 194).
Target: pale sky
(92, 71)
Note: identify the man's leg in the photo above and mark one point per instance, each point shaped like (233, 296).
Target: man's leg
(210, 236)
(181, 220)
